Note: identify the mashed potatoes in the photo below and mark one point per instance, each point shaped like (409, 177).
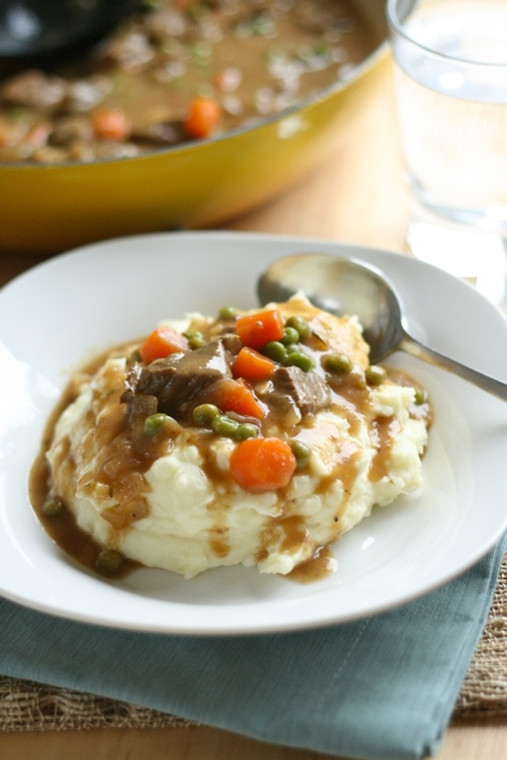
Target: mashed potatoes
(160, 456)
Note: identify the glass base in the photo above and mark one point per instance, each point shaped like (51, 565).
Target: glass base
(470, 254)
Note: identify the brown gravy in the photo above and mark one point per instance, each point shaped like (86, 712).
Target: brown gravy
(320, 566)
(62, 528)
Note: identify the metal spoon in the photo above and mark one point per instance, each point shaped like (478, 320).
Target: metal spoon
(347, 286)
(41, 30)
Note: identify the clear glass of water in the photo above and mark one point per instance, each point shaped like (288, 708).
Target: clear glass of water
(451, 81)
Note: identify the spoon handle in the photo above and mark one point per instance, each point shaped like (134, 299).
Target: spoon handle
(489, 384)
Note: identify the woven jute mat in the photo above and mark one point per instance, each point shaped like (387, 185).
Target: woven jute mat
(27, 706)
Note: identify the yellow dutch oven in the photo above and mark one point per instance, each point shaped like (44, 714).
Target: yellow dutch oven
(46, 209)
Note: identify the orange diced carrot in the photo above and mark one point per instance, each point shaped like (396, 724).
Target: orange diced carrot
(252, 365)
(110, 124)
(262, 464)
(203, 116)
(164, 340)
(236, 396)
(255, 330)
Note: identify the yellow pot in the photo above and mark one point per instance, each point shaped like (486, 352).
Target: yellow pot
(45, 209)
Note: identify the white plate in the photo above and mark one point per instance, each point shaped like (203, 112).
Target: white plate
(61, 312)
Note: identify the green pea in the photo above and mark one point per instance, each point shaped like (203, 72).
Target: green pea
(53, 506)
(300, 324)
(227, 313)
(337, 363)
(420, 396)
(224, 425)
(302, 453)
(375, 375)
(290, 335)
(109, 561)
(154, 423)
(204, 414)
(275, 350)
(301, 360)
(246, 430)
(195, 339)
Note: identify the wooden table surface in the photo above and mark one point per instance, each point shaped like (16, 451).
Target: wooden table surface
(356, 197)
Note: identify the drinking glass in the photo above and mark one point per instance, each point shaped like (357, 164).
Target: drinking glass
(451, 84)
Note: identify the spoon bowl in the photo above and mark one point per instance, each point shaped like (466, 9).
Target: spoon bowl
(348, 286)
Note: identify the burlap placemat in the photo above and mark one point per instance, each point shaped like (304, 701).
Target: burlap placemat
(484, 690)
(26, 706)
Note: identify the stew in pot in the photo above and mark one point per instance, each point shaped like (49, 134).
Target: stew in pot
(180, 70)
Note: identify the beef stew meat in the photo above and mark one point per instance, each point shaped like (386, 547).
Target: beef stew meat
(181, 377)
(308, 390)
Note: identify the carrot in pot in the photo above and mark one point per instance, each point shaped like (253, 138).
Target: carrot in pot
(204, 114)
(110, 124)
(255, 330)
(262, 464)
(164, 340)
(251, 365)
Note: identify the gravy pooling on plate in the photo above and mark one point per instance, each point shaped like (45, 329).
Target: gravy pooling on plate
(180, 70)
(254, 438)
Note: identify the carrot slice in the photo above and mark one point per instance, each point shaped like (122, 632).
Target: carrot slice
(262, 464)
(164, 340)
(252, 365)
(203, 116)
(110, 124)
(236, 396)
(255, 330)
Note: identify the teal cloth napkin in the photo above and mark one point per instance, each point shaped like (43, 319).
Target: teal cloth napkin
(381, 688)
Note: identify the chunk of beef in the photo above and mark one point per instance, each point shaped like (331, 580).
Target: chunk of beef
(231, 342)
(160, 133)
(70, 128)
(180, 378)
(308, 391)
(130, 48)
(34, 88)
